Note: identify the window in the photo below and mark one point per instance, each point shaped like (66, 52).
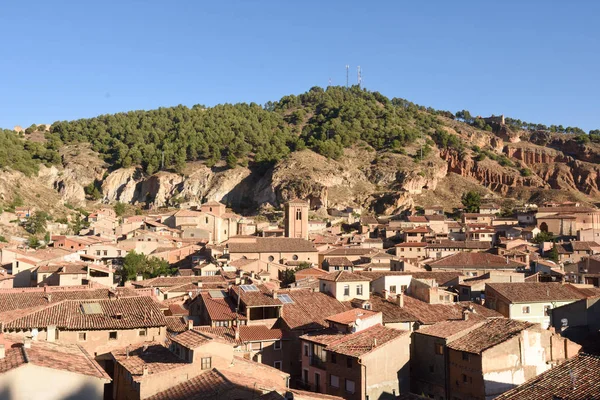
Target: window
(305, 375)
(206, 220)
(346, 290)
(277, 364)
(298, 214)
(349, 386)
(439, 349)
(256, 345)
(464, 378)
(334, 381)
(97, 252)
(465, 356)
(393, 288)
(206, 362)
(526, 310)
(306, 350)
(403, 288)
(142, 332)
(547, 310)
(271, 258)
(277, 345)
(359, 290)
(295, 257)
(333, 358)
(82, 336)
(112, 335)
(105, 252)
(348, 362)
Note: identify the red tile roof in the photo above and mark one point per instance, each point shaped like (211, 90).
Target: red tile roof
(338, 262)
(176, 324)
(343, 276)
(123, 313)
(220, 309)
(491, 334)
(65, 357)
(531, 292)
(474, 260)
(577, 378)
(309, 309)
(191, 339)
(154, 356)
(170, 281)
(272, 244)
(350, 316)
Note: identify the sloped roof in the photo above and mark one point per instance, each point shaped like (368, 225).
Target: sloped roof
(67, 357)
(220, 309)
(530, 292)
(343, 276)
(272, 244)
(577, 378)
(123, 313)
(474, 260)
(309, 309)
(490, 334)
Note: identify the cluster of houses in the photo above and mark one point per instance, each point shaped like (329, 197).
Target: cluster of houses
(357, 307)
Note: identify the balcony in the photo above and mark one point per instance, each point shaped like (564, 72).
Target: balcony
(317, 362)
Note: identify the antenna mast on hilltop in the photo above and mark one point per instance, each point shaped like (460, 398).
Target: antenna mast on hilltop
(347, 69)
(359, 76)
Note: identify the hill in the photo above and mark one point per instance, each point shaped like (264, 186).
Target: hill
(336, 147)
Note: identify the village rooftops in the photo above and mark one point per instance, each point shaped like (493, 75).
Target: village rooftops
(272, 245)
(221, 307)
(355, 344)
(343, 276)
(532, 292)
(576, 378)
(247, 333)
(169, 281)
(459, 244)
(463, 260)
(348, 251)
(309, 309)
(418, 229)
(447, 329)
(339, 262)
(123, 313)
(390, 310)
(151, 355)
(416, 219)
(492, 333)
(428, 314)
(66, 357)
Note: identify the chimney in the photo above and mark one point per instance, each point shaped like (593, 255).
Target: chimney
(127, 351)
(145, 370)
(2, 351)
(236, 329)
(275, 294)
(49, 297)
(27, 343)
(45, 288)
(385, 294)
(190, 324)
(465, 315)
(400, 299)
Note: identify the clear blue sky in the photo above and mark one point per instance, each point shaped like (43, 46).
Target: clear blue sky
(534, 60)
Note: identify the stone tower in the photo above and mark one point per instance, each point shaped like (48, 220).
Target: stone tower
(296, 219)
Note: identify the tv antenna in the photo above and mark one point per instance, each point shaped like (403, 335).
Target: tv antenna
(359, 77)
(329, 81)
(347, 69)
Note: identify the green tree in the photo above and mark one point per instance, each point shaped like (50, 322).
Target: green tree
(553, 254)
(543, 237)
(136, 264)
(120, 208)
(36, 224)
(471, 201)
(33, 242)
(3, 239)
(288, 276)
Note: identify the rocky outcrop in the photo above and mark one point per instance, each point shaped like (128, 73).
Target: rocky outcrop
(122, 185)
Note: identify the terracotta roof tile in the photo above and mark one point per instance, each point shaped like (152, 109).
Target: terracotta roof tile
(170, 281)
(527, 292)
(577, 378)
(176, 324)
(220, 309)
(474, 260)
(338, 262)
(490, 334)
(154, 356)
(123, 313)
(66, 357)
(343, 276)
(191, 339)
(350, 316)
(309, 309)
(272, 244)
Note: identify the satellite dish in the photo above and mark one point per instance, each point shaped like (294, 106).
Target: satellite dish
(564, 322)
(34, 332)
(358, 321)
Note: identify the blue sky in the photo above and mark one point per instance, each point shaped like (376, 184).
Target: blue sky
(534, 60)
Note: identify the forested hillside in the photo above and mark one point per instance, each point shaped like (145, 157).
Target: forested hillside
(326, 121)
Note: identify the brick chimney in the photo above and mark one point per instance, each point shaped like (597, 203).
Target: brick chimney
(400, 299)
(465, 315)
(275, 294)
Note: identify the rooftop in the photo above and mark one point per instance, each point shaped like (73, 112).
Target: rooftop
(530, 292)
(474, 260)
(490, 334)
(272, 244)
(343, 276)
(577, 378)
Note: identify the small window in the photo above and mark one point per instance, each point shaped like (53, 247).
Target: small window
(346, 290)
(105, 252)
(349, 386)
(112, 335)
(334, 381)
(306, 350)
(277, 364)
(142, 332)
(465, 356)
(298, 214)
(295, 257)
(393, 288)
(277, 345)
(271, 258)
(206, 220)
(348, 362)
(333, 358)
(206, 362)
(82, 336)
(526, 310)
(464, 378)
(359, 290)
(439, 349)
